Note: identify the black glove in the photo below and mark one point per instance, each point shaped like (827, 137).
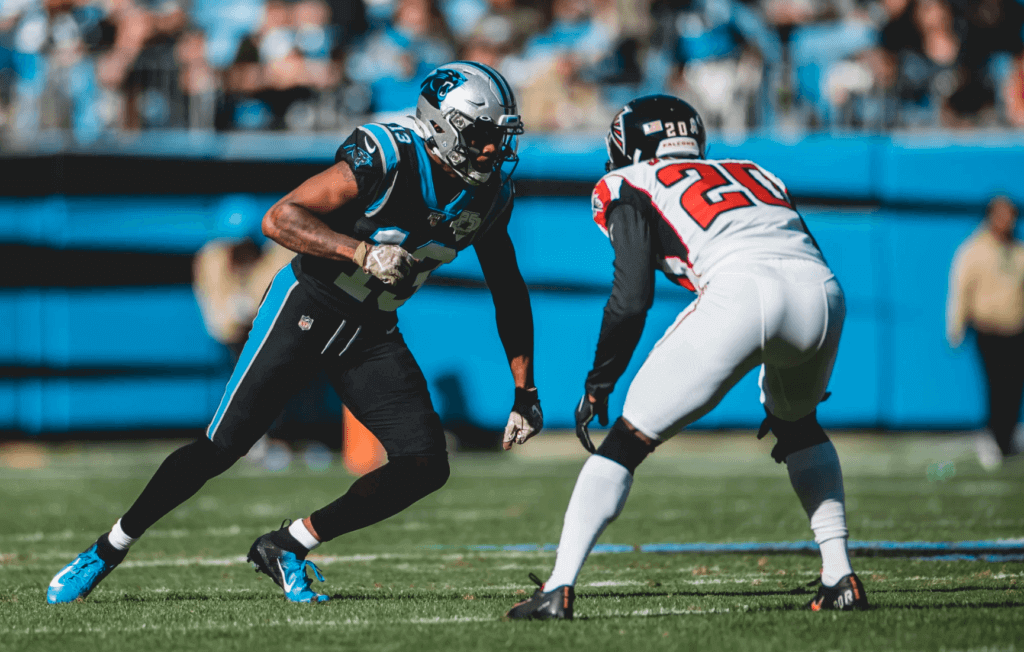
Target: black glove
(585, 413)
(526, 419)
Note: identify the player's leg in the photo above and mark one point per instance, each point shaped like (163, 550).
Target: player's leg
(708, 349)
(799, 357)
(259, 386)
(382, 385)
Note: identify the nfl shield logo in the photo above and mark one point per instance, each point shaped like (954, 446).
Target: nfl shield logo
(306, 323)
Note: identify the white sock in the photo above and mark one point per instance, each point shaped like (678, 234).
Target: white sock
(835, 559)
(818, 481)
(302, 534)
(118, 539)
(598, 498)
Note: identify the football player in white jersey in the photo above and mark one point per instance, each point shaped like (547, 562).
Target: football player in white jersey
(727, 230)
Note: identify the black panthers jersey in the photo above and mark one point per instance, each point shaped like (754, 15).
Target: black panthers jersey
(398, 205)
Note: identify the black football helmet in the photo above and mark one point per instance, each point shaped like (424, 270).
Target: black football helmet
(654, 126)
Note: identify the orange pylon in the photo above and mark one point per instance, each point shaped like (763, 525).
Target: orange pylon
(360, 450)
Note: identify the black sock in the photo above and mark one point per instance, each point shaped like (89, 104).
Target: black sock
(181, 475)
(107, 552)
(381, 493)
(284, 540)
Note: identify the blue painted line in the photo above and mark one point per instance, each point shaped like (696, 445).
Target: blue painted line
(966, 557)
(991, 550)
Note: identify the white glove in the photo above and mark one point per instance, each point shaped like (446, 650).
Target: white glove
(389, 263)
(526, 419)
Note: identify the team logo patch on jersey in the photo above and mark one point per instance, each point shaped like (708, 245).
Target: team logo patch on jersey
(360, 157)
(306, 322)
(466, 223)
(435, 217)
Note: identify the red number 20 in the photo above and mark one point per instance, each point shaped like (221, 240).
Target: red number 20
(695, 200)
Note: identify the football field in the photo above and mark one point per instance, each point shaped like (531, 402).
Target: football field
(711, 552)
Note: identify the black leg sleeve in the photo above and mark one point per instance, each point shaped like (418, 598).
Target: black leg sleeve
(180, 476)
(380, 494)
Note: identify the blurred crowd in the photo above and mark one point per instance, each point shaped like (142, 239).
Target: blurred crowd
(91, 66)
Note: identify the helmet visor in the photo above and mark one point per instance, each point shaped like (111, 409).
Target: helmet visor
(482, 132)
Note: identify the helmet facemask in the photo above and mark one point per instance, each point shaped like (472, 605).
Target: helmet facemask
(473, 137)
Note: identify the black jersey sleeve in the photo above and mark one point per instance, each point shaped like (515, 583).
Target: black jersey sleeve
(496, 222)
(373, 156)
(632, 295)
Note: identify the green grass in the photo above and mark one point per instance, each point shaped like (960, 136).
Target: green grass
(411, 583)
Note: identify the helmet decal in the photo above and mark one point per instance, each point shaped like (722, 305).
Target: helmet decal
(437, 86)
(618, 129)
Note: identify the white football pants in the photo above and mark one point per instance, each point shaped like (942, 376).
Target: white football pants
(785, 315)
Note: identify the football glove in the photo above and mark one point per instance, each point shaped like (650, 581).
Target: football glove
(585, 413)
(526, 419)
(389, 263)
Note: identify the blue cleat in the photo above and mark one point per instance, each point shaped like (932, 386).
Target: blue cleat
(77, 580)
(286, 569)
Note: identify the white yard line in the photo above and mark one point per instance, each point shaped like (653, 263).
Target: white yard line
(316, 622)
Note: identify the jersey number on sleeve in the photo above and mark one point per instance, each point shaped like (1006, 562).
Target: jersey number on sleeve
(703, 208)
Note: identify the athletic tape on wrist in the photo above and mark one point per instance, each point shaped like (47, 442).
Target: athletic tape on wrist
(359, 257)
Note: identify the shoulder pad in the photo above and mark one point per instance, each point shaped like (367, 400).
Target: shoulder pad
(381, 143)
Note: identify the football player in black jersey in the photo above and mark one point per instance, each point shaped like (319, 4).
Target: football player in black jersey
(368, 232)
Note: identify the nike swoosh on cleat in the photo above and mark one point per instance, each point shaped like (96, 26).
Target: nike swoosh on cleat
(370, 149)
(55, 583)
(287, 586)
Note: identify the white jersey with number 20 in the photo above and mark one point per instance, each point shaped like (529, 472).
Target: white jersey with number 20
(720, 211)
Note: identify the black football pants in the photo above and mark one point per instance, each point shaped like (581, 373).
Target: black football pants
(292, 338)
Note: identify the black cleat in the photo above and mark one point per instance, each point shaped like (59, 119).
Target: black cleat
(847, 595)
(286, 568)
(551, 605)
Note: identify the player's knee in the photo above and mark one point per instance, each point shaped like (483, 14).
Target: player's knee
(793, 436)
(207, 458)
(624, 446)
(426, 474)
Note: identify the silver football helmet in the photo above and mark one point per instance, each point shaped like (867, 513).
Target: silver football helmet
(463, 106)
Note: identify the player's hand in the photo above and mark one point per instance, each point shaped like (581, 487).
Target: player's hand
(589, 407)
(389, 263)
(526, 419)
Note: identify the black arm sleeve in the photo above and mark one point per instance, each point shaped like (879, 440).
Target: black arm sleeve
(631, 298)
(509, 292)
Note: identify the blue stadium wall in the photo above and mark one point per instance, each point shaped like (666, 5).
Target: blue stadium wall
(124, 348)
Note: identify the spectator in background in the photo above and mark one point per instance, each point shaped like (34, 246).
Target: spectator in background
(929, 55)
(1013, 93)
(556, 70)
(986, 293)
(722, 49)
(417, 27)
(507, 24)
(198, 81)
